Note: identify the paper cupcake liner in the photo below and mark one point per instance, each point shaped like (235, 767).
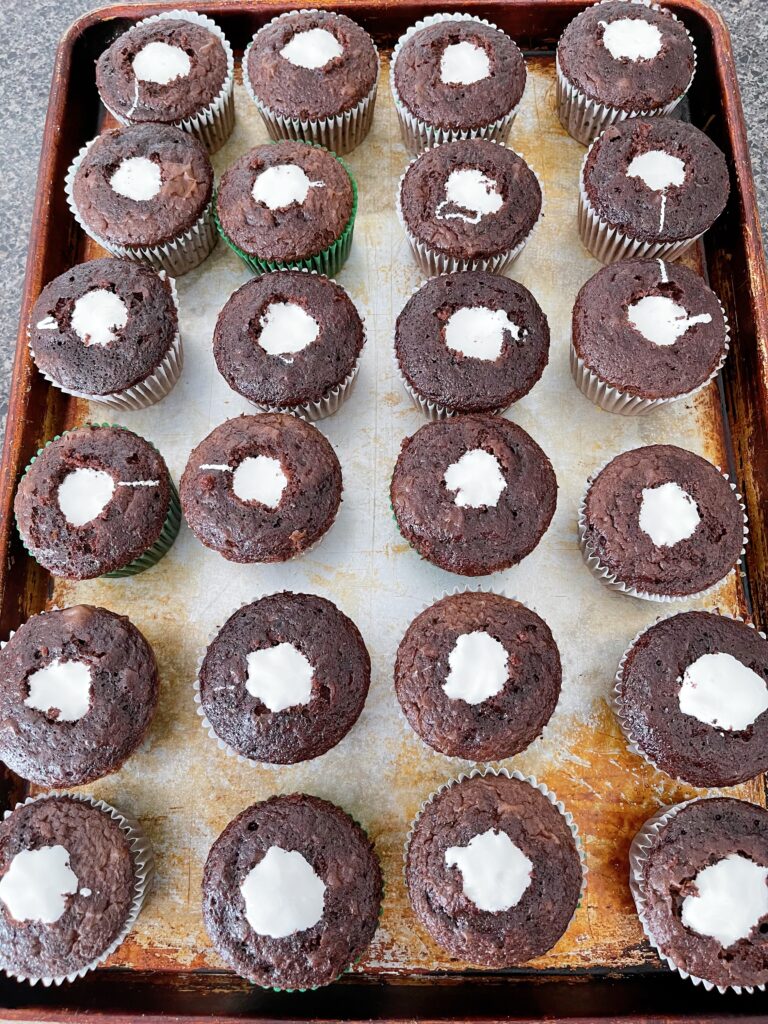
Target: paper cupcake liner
(214, 123)
(341, 133)
(584, 118)
(418, 135)
(182, 254)
(638, 856)
(143, 868)
(612, 581)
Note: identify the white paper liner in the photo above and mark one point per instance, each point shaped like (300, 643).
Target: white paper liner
(584, 118)
(638, 855)
(604, 574)
(177, 257)
(418, 135)
(340, 134)
(143, 867)
(213, 124)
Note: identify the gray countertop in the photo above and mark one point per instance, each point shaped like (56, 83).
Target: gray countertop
(25, 74)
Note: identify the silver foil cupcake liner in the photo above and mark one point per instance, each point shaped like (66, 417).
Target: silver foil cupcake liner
(143, 869)
(418, 135)
(341, 133)
(214, 123)
(176, 257)
(638, 856)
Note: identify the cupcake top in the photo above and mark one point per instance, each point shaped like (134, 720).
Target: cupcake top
(656, 179)
(649, 328)
(471, 199)
(143, 185)
(310, 65)
(473, 494)
(693, 696)
(478, 676)
(78, 689)
(627, 55)
(163, 70)
(92, 501)
(663, 521)
(704, 880)
(472, 342)
(67, 884)
(459, 73)
(261, 488)
(292, 892)
(287, 339)
(493, 870)
(285, 201)
(285, 678)
(103, 326)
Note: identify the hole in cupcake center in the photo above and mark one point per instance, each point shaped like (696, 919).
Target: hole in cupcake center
(161, 63)
(312, 49)
(732, 896)
(494, 871)
(282, 186)
(286, 328)
(280, 677)
(657, 169)
(631, 39)
(477, 479)
(470, 195)
(661, 320)
(97, 316)
(137, 178)
(83, 495)
(478, 332)
(37, 883)
(478, 668)
(61, 690)
(721, 691)
(283, 894)
(668, 514)
(260, 479)
(464, 63)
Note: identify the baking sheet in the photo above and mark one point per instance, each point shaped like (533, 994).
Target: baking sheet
(185, 790)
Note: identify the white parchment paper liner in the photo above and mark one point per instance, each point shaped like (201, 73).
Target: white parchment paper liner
(584, 118)
(148, 391)
(638, 855)
(341, 133)
(417, 134)
(143, 870)
(181, 254)
(214, 123)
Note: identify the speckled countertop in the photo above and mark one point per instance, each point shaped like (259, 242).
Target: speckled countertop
(25, 79)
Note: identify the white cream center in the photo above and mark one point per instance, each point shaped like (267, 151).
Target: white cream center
(721, 691)
(36, 885)
(279, 676)
(283, 185)
(668, 514)
(312, 49)
(476, 478)
(631, 39)
(283, 894)
(732, 898)
(286, 328)
(661, 320)
(161, 63)
(478, 668)
(657, 169)
(472, 192)
(478, 332)
(260, 479)
(84, 494)
(137, 178)
(464, 63)
(63, 687)
(97, 316)
(494, 871)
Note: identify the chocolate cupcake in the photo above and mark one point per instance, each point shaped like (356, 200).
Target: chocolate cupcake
(288, 205)
(661, 523)
(261, 488)
(78, 689)
(73, 875)
(290, 342)
(619, 59)
(691, 697)
(493, 869)
(313, 76)
(468, 205)
(97, 501)
(292, 892)
(174, 68)
(478, 676)
(284, 679)
(455, 76)
(470, 342)
(108, 331)
(473, 494)
(699, 877)
(650, 187)
(646, 333)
